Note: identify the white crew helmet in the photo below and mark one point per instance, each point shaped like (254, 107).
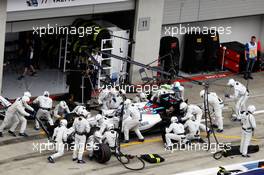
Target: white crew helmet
(25, 99)
(113, 91)
(202, 93)
(174, 119)
(79, 110)
(63, 122)
(142, 95)
(46, 93)
(127, 103)
(98, 117)
(110, 126)
(193, 118)
(183, 106)
(98, 134)
(176, 84)
(28, 94)
(251, 109)
(63, 104)
(85, 113)
(231, 82)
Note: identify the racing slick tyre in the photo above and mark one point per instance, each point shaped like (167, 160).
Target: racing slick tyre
(103, 154)
(70, 119)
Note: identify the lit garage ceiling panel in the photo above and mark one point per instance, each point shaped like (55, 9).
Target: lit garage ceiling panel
(19, 10)
(22, 5)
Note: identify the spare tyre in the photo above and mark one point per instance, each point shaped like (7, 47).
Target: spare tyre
(103, 154)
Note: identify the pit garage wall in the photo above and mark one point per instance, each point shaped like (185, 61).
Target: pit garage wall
(242, 29)
(3, 5)
(262, 34)
(146, 48)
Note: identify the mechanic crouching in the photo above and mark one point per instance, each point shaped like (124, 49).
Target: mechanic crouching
(81, 128)
(132, 123)
(45, 104)
(110, 137)
(61, 110)
(194, 130)
(175, 132)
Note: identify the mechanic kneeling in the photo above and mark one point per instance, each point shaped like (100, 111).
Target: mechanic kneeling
(178, 133)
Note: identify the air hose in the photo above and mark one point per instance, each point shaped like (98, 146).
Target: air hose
(129, 157)
(118, 154)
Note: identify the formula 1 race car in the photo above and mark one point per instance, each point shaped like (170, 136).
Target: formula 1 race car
(4, 105)
(149, 117)
(247, 168)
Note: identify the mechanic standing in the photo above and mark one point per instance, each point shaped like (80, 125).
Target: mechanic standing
(81, 128)
(133, 123)
(248, 126)
(217, 105)
(61, 110)
(177, 134)
(15, 113)
(45, 105)
(104, 97)
(251, 53)
(241, 94)
(60, 138)
(116, 98)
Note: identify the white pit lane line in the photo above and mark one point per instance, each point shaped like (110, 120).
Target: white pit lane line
(213, 171)
(259, 112)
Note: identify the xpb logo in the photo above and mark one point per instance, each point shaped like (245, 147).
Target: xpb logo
(33, 3)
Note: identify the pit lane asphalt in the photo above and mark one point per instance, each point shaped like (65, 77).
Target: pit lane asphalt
(17, 157)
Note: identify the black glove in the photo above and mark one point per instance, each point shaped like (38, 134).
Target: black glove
(227, 95)
(242, 112)
(52, 140)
